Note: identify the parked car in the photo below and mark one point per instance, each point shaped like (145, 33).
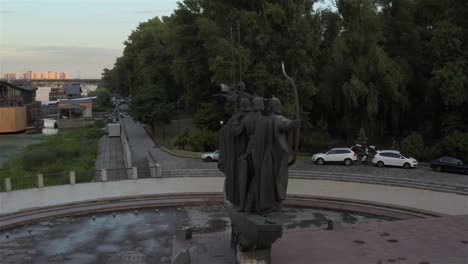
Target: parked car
(335, 155)
(210, 156)
(393, 158)
(449, 164)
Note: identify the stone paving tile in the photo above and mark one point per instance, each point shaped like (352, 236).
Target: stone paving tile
(441, 240)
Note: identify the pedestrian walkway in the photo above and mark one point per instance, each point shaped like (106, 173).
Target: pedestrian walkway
(110, 157)
(138, 139)
(110, 154)
(141, 144)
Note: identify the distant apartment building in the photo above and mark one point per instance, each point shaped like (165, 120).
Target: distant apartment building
(30, 75)
(9, 76)
(64, 75)
(50, 75)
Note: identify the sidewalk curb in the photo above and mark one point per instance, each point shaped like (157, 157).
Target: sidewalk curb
(175, 154)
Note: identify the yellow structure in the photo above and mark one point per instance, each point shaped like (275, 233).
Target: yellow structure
(13, 103)
(13, 119)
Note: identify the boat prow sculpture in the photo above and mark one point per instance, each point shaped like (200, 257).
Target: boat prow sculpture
(254, 156)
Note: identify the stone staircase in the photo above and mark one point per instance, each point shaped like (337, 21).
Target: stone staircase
(340, 177)
(142, 168)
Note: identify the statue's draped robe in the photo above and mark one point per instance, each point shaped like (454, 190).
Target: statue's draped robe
(232, 144)
(269, 158)
(247, 126)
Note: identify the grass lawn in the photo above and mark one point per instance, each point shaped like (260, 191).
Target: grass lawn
(168, 146)
(183, 153)
(71, 150)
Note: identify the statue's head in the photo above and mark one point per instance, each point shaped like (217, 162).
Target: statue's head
(275, 105)
(257, 104)
(245, 105)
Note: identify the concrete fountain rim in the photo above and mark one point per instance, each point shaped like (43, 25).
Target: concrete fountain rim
(35, 215)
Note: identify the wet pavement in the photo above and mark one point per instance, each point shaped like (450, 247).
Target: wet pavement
(141, 236)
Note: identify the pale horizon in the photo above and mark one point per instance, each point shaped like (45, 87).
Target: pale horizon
(80, 37)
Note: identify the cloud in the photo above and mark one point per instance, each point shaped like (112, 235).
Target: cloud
(6, 11)
(153, 11)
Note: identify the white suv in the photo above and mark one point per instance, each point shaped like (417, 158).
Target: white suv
(393, 158)
(336, 155)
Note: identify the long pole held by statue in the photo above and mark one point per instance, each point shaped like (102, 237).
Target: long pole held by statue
(298, 115)
(233, 69)
(241, 84)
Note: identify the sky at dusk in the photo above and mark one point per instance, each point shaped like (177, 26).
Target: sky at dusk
(78, 36)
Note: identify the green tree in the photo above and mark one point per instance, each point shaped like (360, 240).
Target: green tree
(103, 96)
(389, 66)
(209, 116)
(361, 81)
(456, 145)
(150, 106)
(413, 145)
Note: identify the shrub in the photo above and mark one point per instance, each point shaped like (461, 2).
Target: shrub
(413, 145)
(182, 139)
(98, 124)
(433, 152)
(204, 140)
(456, 145)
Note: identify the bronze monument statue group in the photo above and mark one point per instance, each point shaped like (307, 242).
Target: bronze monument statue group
(254, 156)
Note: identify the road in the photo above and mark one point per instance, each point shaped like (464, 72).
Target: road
(141, 143)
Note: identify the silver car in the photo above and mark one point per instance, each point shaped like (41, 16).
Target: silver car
(210, 156)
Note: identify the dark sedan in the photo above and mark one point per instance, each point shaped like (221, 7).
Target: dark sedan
(450, 165)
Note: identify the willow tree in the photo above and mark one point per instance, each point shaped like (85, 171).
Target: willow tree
(361, 72)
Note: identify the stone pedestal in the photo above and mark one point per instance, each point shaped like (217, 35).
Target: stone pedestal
(258, 256)
(252, 235)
